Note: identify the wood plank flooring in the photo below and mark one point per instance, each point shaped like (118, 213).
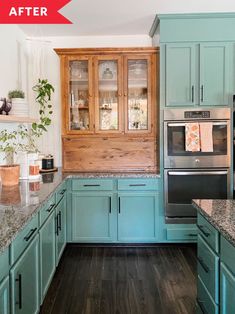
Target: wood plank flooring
(124, 280)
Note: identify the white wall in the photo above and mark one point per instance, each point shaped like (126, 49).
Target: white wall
(52, 141)
(13, 64)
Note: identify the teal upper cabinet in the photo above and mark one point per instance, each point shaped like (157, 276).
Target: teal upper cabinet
(214, 74)
(197, 74)
(180, 74)
(137, 216)
(93, 215)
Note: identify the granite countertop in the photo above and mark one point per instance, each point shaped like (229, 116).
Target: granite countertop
(19, 204)
(221, 214)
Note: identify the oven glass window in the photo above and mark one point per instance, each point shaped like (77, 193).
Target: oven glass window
(183, 188)
(176, 141)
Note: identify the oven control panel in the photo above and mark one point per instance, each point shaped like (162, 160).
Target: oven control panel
(197, 114)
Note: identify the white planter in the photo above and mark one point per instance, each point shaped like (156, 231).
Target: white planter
(20, 107)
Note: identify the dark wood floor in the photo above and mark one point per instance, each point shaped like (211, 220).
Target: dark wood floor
(124, 280)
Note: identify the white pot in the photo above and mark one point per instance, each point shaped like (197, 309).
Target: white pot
(20, 107)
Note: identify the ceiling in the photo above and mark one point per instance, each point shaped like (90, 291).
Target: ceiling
(123, 17)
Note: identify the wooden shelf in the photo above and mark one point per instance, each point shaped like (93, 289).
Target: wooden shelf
(15, 119)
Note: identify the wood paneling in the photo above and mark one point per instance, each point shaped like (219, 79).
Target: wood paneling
(109, 154)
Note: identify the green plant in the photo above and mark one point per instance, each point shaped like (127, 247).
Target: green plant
(15, 94)
(24, 139)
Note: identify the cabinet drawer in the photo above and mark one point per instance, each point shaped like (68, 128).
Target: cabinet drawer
(208, 268)
(60, 192)
(227, 254)
(92, 185)
(204, 300)
(179, 233)
(4, 262)
(138, 184)
(208, 233)
(46, 210)
(23, 239)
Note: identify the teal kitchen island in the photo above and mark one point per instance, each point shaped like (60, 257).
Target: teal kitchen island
(216, 256)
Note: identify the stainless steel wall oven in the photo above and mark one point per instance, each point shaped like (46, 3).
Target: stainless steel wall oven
(189, 175)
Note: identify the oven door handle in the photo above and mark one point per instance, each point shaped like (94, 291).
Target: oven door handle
(195, 173)
(201, 121)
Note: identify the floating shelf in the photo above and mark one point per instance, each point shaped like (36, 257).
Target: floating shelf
(15, 119)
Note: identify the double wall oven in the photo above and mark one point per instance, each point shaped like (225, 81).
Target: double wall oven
(192, 175)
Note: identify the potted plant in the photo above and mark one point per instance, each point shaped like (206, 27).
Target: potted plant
(19, 103)
(22, 141)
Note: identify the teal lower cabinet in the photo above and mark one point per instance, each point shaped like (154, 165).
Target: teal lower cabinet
(25, 281)
(181, 233)
(93, 216)
(227, 291)
(60, 227)
(137, 217)
(5, 296)
(205, 303)
(47, 254)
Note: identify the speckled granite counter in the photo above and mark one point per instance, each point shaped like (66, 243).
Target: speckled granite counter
(19, 204)
(221, 214)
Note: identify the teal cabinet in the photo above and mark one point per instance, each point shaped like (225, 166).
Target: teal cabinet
(47, 254)
(60, 227)
(227, 291)
(180, 74)
(93, 215)
(5, 296)
(25, 281)
(137, 216)
(181, 233)
(214, 74)
(197, 74)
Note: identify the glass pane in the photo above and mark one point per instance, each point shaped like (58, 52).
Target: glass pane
(108, 92)
(176, 141)
(79, 95)
(182, 189)
(137, 94)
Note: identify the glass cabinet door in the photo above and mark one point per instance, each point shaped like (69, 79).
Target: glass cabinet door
(108, 111)
(138, 95)
(80, 96)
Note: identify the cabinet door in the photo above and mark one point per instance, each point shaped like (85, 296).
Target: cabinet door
(4, 297)
(214, 66)
(227, 291)
(137, 217)
(138, 97)
(47, 254)
(25, 281)
(180, 75)
(61, 221)
(108, 92)
(79, 99)
(93, 217)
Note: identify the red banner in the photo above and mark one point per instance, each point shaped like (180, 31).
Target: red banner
(32, 12)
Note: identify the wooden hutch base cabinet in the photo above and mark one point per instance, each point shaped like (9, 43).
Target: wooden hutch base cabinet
(109, 107)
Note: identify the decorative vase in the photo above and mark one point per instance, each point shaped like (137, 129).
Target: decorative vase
(10, 174)
(19, 107)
